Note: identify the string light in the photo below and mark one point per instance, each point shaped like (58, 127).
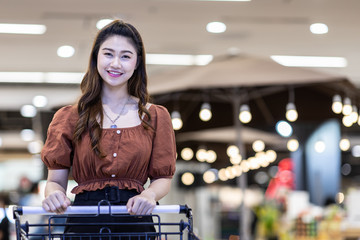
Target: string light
(347, 121)
(210, 176)
(187, 154)
(292, 145)
(211, 156)
(344, 144)
(258, 145)
(201, 155)
(205, 112)
(232, 151)
(187, 178)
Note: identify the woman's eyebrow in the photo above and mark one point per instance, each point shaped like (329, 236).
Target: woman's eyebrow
(112, 50)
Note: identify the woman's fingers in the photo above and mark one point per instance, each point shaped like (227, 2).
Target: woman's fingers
(56, 202)
(140, 205)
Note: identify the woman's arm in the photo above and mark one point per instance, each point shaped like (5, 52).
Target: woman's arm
(145, 202)
(55, 191)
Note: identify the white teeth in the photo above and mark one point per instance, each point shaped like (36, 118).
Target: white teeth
(114, 72)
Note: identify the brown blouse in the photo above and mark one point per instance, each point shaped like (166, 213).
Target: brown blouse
(133, 154)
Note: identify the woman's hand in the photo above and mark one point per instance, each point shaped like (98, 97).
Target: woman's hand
(55, 189)
(145, 203)
(56, 202)
(142, 204)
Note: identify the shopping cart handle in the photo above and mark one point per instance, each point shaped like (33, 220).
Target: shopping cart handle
(27, 210)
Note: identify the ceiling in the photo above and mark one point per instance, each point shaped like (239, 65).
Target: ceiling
(258, 28)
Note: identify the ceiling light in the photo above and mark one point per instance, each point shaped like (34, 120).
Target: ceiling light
(337, 104)
(65, 51)
(245, 114)
(320, 146)
(224, 0)
(41, 77)
(205, 112)
(40, 101)
(22, 28)
(35, 147)
(63, 77)
(28, 111)
(178, 59)
(309, 61)
(319, 28)
(27, 135)
(355, 151)
(102, 23)
(216, 27)
(347, 107)
(176, 120)
(291, 113)
(284, 128)
(21, 77)
(354, 115)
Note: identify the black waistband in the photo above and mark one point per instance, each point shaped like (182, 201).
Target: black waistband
(110, 194)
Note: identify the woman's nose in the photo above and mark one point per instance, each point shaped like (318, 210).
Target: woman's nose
(116, 62)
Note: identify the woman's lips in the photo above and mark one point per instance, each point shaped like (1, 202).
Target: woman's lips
(114, 74)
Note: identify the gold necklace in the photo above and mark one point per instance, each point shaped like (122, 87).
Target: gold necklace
(113, 125)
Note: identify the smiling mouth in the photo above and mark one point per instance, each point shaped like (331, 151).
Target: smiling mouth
(114, 74)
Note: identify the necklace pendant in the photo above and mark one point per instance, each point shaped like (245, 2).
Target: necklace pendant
(113, 126)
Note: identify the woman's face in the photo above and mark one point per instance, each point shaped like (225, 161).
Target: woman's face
(116, 61)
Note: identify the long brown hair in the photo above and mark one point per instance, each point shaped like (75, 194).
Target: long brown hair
(90, 104)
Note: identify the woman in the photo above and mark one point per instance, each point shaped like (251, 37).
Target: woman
(113, 139)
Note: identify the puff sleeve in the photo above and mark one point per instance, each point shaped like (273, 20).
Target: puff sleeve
(163, 156)
(58, 149)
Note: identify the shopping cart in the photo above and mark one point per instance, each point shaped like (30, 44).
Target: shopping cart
(53, 226)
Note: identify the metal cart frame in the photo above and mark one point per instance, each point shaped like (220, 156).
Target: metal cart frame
(49, 229)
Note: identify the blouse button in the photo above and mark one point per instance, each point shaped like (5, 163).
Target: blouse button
(112, 175)
(118, 131)
(114, 154)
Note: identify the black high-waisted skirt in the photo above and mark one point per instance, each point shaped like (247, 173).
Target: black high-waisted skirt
(88, 227)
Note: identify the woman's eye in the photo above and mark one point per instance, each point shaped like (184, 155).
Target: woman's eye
(125, 56)
(107, 54)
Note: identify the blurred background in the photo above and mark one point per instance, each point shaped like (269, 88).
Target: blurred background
(263, 96)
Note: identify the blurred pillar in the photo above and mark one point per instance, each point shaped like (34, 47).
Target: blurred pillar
(244, 232)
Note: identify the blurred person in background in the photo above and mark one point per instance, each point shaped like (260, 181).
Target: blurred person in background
(4, 221)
